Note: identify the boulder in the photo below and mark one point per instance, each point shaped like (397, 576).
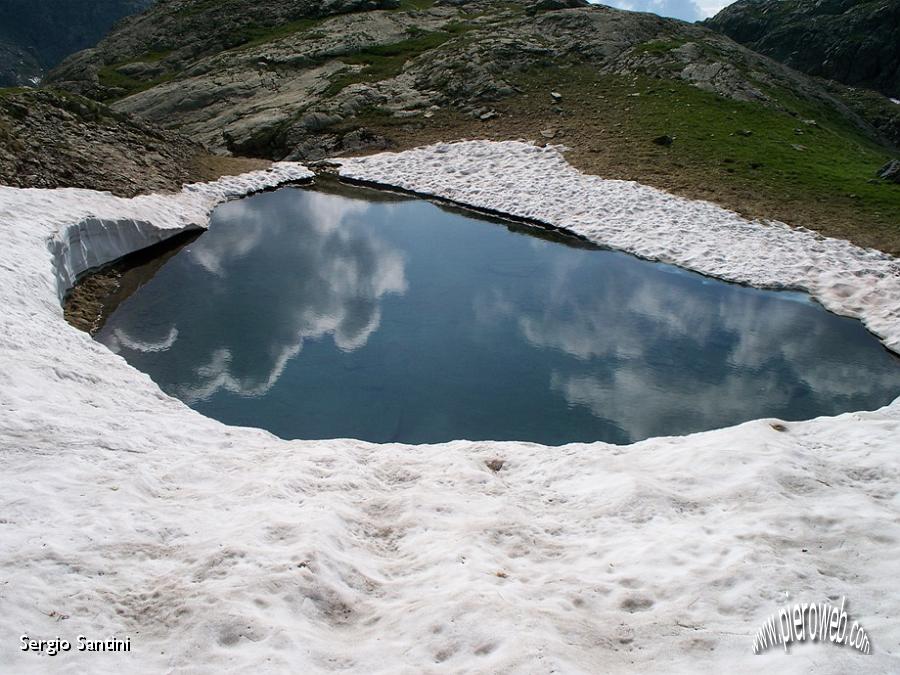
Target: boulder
(890, 171)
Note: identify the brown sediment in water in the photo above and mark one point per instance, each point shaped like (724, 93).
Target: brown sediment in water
(83, 304)
(97, 293)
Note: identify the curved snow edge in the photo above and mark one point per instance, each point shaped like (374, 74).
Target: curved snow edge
(225, 549)
(94, 240)
(537, 184)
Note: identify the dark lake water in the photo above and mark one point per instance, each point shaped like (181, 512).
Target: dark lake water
(343, 312)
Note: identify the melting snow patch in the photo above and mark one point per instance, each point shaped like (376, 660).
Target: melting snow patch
(214, 548)
(537, 183)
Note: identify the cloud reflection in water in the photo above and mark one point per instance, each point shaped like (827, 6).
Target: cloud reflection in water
(355, 313)
(329, 281)
(659, 359)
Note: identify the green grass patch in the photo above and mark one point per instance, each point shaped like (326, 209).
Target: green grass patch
(12, 91)
(659, 46)
(415, 5)
(782, 153)
(383, 62)
(373, 114)
(153, 57)
(457, 27)
(253, 35)
(774, 156)
(111, 78)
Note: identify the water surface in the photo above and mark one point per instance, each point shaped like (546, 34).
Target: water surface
(344, 312)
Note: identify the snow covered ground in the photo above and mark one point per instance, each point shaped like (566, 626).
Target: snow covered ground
(218, 549)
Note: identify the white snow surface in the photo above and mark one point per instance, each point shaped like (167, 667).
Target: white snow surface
(221, 549)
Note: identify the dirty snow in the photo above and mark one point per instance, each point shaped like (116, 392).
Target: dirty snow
(221, 549)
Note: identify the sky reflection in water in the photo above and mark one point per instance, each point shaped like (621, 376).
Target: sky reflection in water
(349, 313)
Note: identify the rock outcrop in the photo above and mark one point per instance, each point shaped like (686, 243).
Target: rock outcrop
(890, 171)
(51, 139)
(851, 41)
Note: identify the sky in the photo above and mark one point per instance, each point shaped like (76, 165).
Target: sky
(688, 10)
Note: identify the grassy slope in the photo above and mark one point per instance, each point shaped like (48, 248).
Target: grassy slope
(609, 123)
(757, 160)
(386, 61)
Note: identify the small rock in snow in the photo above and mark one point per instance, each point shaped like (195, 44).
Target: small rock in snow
(495, 464)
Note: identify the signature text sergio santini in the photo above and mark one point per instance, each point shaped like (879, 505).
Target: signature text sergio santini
(81, 644)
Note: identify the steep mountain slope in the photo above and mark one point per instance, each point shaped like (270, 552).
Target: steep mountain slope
(307, 79)
(54, 139)
(18, 66)
(852, 41)
(35, 35)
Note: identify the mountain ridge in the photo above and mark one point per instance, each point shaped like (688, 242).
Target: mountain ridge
(36, 35)
(174, 76)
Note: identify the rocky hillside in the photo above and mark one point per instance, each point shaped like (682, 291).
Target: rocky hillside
(54, 139)
(275, 78)
(35, 35)
(634, 95)
(856, 42)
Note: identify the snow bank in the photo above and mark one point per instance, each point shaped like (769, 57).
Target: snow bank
(100, 230)
(221, 549)
(538, 184)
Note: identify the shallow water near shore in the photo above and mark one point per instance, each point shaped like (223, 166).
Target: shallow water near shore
(346, 312)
